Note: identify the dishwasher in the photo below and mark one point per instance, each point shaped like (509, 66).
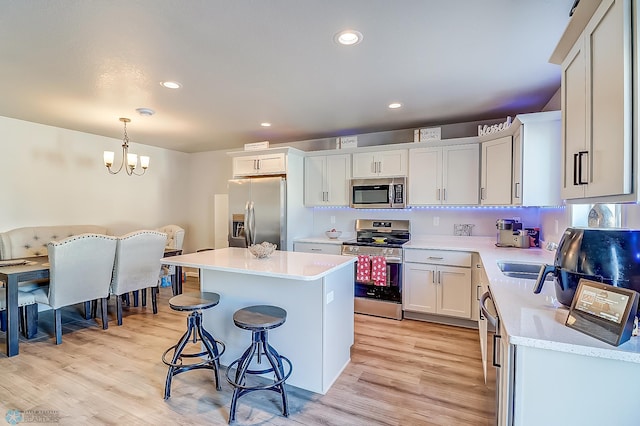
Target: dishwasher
(502, 356)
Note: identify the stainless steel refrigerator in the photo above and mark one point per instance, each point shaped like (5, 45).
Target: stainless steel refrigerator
(257, 211)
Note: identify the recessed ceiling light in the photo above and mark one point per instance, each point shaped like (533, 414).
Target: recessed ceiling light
(170, 84)
(145, 111)
(395, 105)
(348, 37)
(265, 124)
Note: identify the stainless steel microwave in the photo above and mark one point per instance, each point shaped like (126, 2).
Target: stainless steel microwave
(378, 193)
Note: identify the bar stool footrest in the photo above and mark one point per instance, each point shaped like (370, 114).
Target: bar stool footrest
(268, 386)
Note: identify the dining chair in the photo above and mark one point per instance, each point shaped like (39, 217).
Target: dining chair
(137, 266)
(28, 313)
(175, 240)
(80, 271)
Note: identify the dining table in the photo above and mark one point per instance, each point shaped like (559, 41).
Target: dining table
(13, 272)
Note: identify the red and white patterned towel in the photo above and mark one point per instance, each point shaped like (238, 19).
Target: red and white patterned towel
(379, 270)
(363, 269)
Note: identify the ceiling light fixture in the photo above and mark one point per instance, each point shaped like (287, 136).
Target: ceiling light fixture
(395, 105)
(171, 84)
(348, 37)
(145, 111)
(131, 159)
(265, 124)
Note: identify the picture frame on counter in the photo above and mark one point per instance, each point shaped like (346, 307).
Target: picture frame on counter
(603, 311)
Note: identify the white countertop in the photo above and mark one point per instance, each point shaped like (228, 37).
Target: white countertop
(535, 320)
(281, 264)
(324, 240)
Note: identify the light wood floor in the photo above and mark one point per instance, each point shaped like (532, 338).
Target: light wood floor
(401, 373)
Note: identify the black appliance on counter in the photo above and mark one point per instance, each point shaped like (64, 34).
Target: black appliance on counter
(610, 256)
(380, 238)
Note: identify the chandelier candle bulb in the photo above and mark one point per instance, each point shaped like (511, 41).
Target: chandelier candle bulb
(132, 160)
(144, 161)
(108, 158)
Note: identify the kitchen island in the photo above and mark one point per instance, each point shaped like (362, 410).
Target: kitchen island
(316, 290)
(551, 374)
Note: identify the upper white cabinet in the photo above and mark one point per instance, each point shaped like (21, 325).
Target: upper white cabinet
(536, 159)
(597, 91)
(446, 175)
(495, 172)
(326, 180)
(260, 164)
(380, 164)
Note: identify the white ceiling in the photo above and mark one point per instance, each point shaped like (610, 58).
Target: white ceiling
(82, 64)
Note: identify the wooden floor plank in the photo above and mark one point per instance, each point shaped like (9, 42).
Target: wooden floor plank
(401, 373)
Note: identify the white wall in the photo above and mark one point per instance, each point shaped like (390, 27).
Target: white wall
(208, 175)
(54, 176)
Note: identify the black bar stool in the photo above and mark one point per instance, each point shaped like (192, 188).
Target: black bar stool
(259, 320)
(194, 302)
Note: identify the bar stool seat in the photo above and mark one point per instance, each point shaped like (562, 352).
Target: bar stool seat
(259, 320)
(193, 302)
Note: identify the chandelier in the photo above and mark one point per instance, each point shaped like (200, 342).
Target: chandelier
(131, 159)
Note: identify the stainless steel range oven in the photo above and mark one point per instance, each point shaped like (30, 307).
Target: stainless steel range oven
(378, 275)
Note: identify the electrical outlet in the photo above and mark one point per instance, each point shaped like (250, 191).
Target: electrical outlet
(333, 220)
(436, 221)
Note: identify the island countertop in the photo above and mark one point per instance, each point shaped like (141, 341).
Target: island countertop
(281, 264)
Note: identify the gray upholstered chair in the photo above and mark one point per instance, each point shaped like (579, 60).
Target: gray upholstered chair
(175, 240)
(28, 313)
(137, 265)
(80, 271)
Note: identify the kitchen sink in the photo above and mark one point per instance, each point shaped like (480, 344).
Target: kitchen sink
(528, 271)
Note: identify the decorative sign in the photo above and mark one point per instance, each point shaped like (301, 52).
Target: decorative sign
(348, 142)
(256, 146)
(427, 134)
(603, 311)
(487, 130)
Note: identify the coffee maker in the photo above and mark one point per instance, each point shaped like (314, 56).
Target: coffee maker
(511, 234)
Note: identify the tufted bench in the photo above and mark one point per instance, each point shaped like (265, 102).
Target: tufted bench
(32, 240)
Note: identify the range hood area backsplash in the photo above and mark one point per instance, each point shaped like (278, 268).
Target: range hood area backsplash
(441, 221)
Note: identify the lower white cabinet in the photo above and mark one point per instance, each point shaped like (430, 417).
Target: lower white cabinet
(318, 248)
(437, 282)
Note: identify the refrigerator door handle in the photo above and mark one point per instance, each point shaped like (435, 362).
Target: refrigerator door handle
(247, 229)
(252, 225)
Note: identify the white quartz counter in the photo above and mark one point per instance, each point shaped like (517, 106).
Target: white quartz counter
(324, 240)
(535, 320)
(281, 264)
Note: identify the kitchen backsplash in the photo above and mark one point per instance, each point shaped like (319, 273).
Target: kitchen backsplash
(442, 221)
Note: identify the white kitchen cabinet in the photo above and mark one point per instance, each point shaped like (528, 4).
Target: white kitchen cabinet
(597, 121)
(326, 180)
(317, 248)
(261, 164)
(495, 172)
(446, 175)
(380, 164)
(536, 159)
(437, 282)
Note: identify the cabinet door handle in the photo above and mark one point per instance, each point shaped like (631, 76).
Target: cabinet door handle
(435, 258)
(316, 249)
(255, 166)
(439, 282)
(517, 190)
(438, 194)
(495, 347)
(580, 161)
(444, 194)
(379, 166)
(482, 193)
(433, 277)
